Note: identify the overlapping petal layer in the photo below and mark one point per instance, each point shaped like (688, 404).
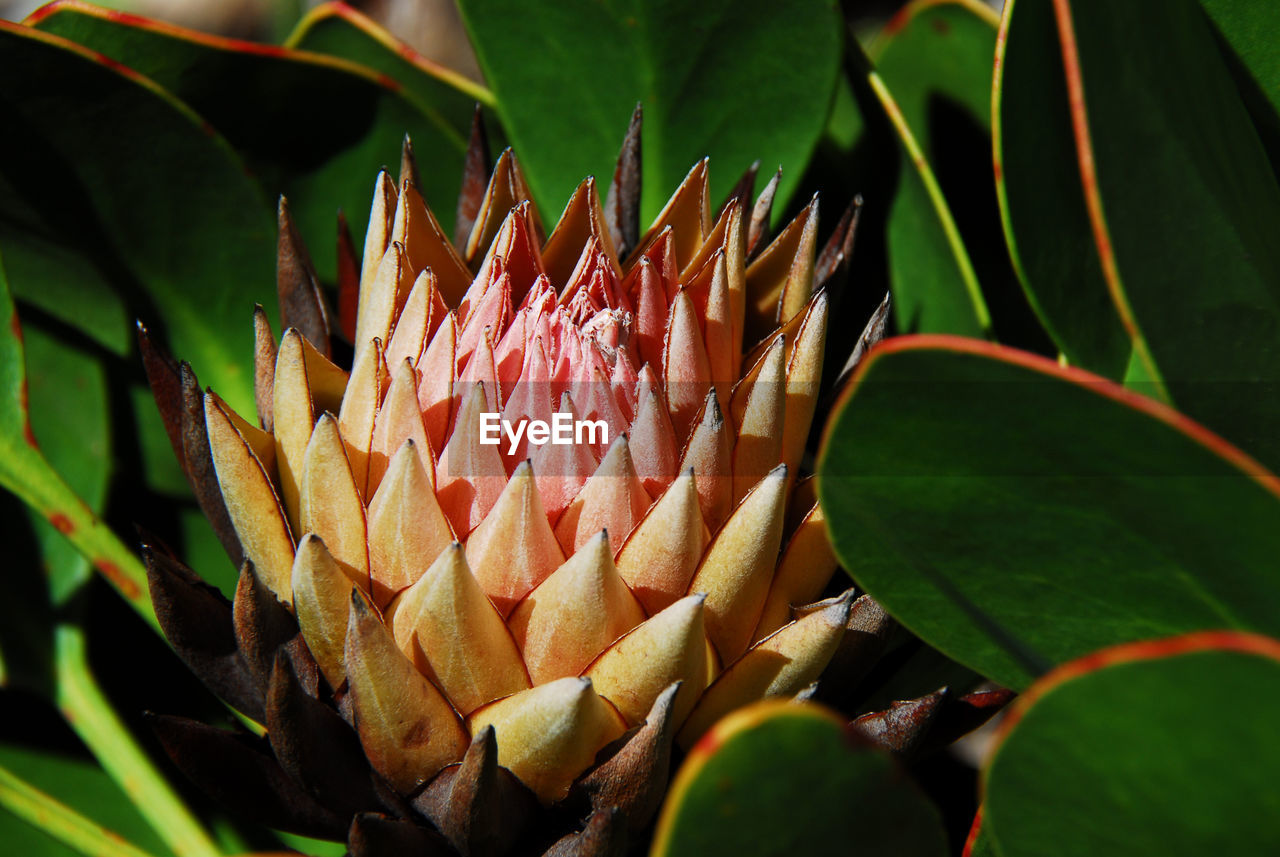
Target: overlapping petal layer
(453, 567)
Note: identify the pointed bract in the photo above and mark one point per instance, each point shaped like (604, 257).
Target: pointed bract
(781, 665)
(406, 526)
(264, 367)
(322, 602)
(670, 646)
(759, 411)
(447, 626)
(252, 504)
(549, 734)
(513, 550)
(574, 614)
(408, 729)
(378, 236)
(469, 476)
(806, 567)
(708, 455)
(659, 559)
(738, 567)
(330, 503)
(612, 499)
(622, 204)
(475, 176)
(302, 303)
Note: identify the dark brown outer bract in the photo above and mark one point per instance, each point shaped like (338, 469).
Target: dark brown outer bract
(622, 202)
(479, 807)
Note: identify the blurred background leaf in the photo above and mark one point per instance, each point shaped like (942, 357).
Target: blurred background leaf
(175, 228)
(81, 786)
(308, 127)
(1246, 33)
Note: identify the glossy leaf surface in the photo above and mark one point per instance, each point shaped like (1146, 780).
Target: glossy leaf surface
(1183, 233)
(1158, 748)
(779, 778)
(339, 30)
(1045, 219)
(1016, 515)
(567, 76)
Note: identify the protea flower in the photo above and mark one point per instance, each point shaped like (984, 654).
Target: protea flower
(522, 622)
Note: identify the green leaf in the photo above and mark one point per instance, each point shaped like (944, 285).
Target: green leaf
(312, 127)
(79, 785)
(1015, 514)
(934, 285)
(935, 57)
(26, 473)
(68, 391)
(313, 847)
(1163, 748)
(1248, 29)
(153, 203)
(735, 81)
(1042, 200)
(780, 778)
(1182, 201)
(338, 30)
(979, 843)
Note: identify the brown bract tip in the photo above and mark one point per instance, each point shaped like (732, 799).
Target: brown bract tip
(480, 807)
(635, 778)
(302, 304)
(622, 203)
(903, 725)
(475, 177)
(605, 835)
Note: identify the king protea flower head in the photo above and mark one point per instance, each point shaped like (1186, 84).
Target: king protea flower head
(489, 617)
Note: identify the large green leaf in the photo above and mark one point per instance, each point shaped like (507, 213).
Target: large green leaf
(108, 183)
(935, 57)
(1165, 748)
(1183, 205)
(1015, 514)
(735, 80)
(312, 127)
(781, 779)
